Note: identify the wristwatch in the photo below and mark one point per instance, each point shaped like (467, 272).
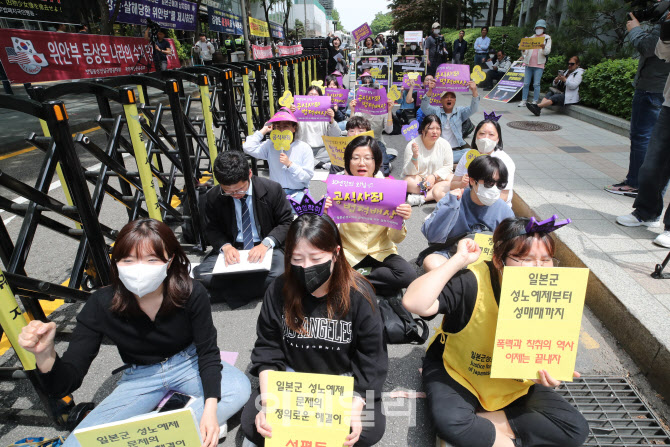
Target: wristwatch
(267, 242)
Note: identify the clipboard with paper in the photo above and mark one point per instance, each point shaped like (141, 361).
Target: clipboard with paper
(244, 266)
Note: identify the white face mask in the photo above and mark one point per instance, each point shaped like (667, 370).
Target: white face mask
(485, 145)
(488, 196)
(142, 279)
(413, 47)
(539, 31)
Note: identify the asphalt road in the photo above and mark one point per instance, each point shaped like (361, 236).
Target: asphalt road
(407, 424)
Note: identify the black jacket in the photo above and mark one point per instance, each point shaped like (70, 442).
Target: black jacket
(272, 213)
(460, 48)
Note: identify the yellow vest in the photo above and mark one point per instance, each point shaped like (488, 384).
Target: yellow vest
(467, 354)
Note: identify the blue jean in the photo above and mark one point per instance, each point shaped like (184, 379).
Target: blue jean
(458, 153)
(535, 74)
(646, 107)
(142, 387)
(655, 173)
(480, 58)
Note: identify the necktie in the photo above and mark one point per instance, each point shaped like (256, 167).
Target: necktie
(247, 236)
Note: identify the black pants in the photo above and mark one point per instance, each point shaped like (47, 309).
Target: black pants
(240, 288)
(493, 76)
(374, 423)
(540, 418)
(390, 275)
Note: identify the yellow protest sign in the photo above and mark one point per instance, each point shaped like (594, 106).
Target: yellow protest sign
(318, 84)
(286, 99)
(281, 140)
(308, 409)
(177, 428)
(477, 74)
(336, 146)
(530, 43)
(258, 27)
(394, 93)
(539, 318)
(485, 242)
(471, 155)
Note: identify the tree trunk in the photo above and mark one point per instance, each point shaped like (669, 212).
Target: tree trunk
(490, 11)
(495, 12)
(504, 10)
(286, 18)
(510, 11)
(458, 14)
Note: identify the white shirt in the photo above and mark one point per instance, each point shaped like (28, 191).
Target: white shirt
(437, 161)
(461, 170)
(448, 134)
(206, 49)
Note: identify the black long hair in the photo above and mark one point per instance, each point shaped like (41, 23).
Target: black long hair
(362, 141)
(499, 146)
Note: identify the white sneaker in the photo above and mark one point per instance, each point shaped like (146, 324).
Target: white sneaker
(631, 220)
(663, 239)
(223, 430)
(416, 199)
(521, 104)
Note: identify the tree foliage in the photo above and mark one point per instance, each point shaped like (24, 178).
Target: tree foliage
(414, 15)
(336, 17)
(382, 22)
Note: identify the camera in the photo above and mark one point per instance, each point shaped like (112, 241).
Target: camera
(154, 28)
(651, 13)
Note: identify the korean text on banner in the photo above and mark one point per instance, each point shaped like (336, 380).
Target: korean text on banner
(366, 200)
(37, 56)
(371, 100)
(292, 50)
(406, 64)
(530, 43)
(258, 27)
(167, 13)
(413, 36)
(308, 409)
(336, 146)
(510, 84)
(63, 11)
(312, 108)
(224, 21)
(338, 96)
(539, 318)
(178, 428)
(361, 32)
(485, 242)
(453, 77)
(261, 52)
(277, 30)
(377, 66)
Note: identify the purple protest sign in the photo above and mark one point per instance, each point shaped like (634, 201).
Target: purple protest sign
(411, 131)
(166, 13)
(454, 77)
(366, 200)
(338, 96)
(436, 99)
(371, 100)
(407, 82)
(361, 32)
(312, 108)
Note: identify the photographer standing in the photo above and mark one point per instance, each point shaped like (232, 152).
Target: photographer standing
(434, 47)
(161, 47)
(649, 81)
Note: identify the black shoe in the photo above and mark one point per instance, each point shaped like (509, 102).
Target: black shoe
(534, 108)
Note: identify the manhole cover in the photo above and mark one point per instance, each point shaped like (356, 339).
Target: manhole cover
(535, 126)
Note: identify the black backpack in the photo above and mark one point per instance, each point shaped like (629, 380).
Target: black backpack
(399, 325)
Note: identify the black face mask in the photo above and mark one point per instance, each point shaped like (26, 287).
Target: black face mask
(312, 277)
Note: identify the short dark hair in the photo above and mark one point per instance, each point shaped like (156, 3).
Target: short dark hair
(485, 28)
(231, 167)
(499, 146)
(362, 141)
(329, 79)
(500, 51)
(314, 87)
(358, 122)
(428, 120)
(202, 34)
(461, 31)
(484, 167)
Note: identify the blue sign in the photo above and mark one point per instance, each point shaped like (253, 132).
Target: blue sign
(276, 30)
(176, 14)
(224, 22)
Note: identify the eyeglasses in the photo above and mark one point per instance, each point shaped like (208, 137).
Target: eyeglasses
(234, 193)
(365, 159)
(530, 262)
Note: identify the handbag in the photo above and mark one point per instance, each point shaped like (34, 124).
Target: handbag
(399, 325)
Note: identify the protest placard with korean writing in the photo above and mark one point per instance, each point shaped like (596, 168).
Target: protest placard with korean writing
(371, 100)
(308, 409)
(366, 200)
(539, 319)
(413, 36)
(261, 52)
(377, 66)
(453, 77)
(406, 64)
(176, 428)
(312, 108)
(338, 96)
(485, 242)
(510, 85)
(258, 27)
(336, 146)
(361, 32)
(530, 43)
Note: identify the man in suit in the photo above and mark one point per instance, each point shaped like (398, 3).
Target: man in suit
(243, 213)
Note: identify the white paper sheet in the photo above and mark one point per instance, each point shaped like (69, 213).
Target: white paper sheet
(489, 64)
(244, 265)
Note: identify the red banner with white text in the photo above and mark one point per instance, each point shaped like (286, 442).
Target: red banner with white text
(262, 52)
(36, 56)
(292, 50)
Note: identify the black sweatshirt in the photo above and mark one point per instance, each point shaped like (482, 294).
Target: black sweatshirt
(139, 340)
(353, 344)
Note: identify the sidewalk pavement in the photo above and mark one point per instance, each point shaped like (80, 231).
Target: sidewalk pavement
(564, 173)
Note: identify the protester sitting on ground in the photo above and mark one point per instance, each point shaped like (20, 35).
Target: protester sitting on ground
(417, 101)
(568, 85)
(292, 169)
(244, 213)
(407, 110)
(459, 213)
(320, 288)
(500, 66)
(515, 412)
(311, 132)
(340, 115)
(369, 246)
(451, 117)
(487, 139)
(534, 61)
(428, 162)
(356, 126)
(161, 323)
(379, 123)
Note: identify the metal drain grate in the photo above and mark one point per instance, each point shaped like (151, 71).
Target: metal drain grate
(615, 413)
(535, 126)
